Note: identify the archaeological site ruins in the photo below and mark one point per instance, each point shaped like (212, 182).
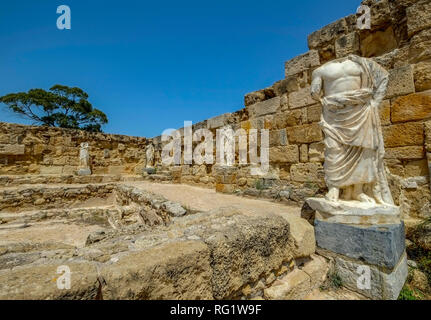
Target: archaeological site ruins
(341, 211)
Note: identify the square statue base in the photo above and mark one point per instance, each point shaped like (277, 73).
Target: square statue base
(381, 284)
(357, 236)
(354, 212)
(149, 170)
(84, 172)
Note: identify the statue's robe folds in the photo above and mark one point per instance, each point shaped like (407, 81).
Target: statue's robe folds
(353, 135)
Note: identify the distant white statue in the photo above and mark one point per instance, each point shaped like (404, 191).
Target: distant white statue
(149, 153)
(229, 145)
(84, 160)
(351, 90)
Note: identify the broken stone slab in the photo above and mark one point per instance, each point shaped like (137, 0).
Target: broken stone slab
(354, 212)
(380, 245)
(174, 209)
(381, 285)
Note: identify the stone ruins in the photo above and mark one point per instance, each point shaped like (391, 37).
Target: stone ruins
(348, 181)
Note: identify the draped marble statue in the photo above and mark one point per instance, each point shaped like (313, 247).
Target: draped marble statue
(149, 153)
(84, 160)
(351, 90)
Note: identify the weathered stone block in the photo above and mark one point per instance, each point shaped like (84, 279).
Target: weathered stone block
(328, 34)
(415, 106)
(303, 235)
(404, 134)
(303, 151)
(264, 108)
(378, 43)
(305, 172)
(420, 47)
(302, 63)
(401, 82)
(11, 149)
(384, 285)
(347, 44)
(301, 98)
(305, 134)
(416, 168)
(422, 75)
(278, 138)
(291, 118)
(51, 169)
(381, 245)
(380, 14)
(405, 153)
(244, 251)
(418, 17)
(259, 96)
(218, 122)
(112, 170)
(314, 113)
(316, 152)
(284, 154)
(295, 286)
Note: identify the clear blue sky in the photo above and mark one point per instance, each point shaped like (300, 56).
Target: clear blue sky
(150, 65)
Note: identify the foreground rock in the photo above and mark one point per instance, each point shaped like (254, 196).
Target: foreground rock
(221, 254)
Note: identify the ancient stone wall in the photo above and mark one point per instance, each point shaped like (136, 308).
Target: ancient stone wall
(399, 39)
(44, 150)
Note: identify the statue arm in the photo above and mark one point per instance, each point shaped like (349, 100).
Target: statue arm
(316, 85)
(381, 77)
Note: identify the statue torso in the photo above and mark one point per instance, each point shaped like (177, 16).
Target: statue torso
(341, 76)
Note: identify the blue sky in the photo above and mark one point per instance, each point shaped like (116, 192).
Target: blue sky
(151, 65)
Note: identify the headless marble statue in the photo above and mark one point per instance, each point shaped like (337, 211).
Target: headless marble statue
(351, 90)
(84, 160)
(149, 153)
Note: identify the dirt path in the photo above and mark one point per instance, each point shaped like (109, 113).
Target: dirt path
(207, 199)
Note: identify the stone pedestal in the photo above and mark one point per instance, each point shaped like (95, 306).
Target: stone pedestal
(149, 170)
(367, 245)
(84, 172)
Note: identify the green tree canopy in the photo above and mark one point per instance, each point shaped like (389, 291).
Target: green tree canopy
(61, 106)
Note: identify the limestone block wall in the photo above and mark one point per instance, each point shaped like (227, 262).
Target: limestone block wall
(400, 40)
(45, 150)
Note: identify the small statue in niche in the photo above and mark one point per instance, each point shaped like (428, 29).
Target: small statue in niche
(84, 160)
(149, 153)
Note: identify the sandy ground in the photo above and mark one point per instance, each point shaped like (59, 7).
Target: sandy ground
(192, 197)
(207, 199)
